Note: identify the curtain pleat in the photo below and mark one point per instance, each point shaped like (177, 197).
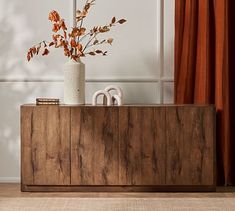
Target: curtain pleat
(203, 68)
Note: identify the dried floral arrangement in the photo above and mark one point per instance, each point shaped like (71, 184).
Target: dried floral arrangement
(79, 41)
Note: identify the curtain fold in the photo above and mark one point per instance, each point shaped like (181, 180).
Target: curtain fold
(204, 67)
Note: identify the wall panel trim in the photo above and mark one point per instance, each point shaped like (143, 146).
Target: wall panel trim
(9, 179)
(94, 80)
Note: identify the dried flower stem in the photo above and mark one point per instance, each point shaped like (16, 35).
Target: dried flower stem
(91, 39)
(72, 42)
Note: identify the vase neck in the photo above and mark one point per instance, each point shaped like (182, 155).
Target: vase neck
(79, 61)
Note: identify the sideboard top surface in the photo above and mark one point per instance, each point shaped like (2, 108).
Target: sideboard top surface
(126, 105)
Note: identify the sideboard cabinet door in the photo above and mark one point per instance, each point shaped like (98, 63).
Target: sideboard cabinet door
(142, 145)
(118, 146)
(190, 142)
(94, 146)
(45, 144)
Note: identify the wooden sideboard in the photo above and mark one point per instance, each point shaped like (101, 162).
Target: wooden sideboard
(127, 148)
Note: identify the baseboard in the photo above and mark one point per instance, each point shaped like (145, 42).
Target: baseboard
(118, 188)
(9, 180)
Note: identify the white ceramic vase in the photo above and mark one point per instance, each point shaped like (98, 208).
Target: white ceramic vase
(74, 83)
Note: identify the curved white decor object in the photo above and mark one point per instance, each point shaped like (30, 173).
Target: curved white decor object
(115, 88)
(102, 92)
(118, 99)
(74, 83)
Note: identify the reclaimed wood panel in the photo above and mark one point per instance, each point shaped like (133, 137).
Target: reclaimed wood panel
(94, 146)
(26, 145)
(142, 147)
(127, 148)
(190, 143)
(45, 133)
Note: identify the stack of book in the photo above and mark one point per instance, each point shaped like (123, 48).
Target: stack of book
(47, 101)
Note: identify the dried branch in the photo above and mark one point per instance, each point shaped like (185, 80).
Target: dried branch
(71, 42)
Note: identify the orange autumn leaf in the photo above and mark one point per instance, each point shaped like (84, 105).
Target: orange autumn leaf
(63, 25)
(99, 51)
(54, 16)
(104, 29)
(110, 41)
(45, 52)
(65, 34)
(80, 15)
(34, 50)
(51, 44)
(28, 57)
(75, 57)
(95, 42)
(94, 30)
(56, 37)
(87, 7)
(122, 21)
(82, 31)
(56, 27)
(92, 53)
(79, 47)
(74, 32)
(113, 20)
(67, 52)
(73, 43)
(64, 43)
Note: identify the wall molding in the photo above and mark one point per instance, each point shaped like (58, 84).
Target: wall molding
(88, 80)
(163, 61)
(9, 179)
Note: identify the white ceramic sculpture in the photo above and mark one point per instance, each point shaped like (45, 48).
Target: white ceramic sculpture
(115, 88)
(108, 98)
(119, 93)
(105, 94)
(118, 99)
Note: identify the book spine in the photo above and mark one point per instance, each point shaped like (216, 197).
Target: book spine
(46, 100)
(47, 103)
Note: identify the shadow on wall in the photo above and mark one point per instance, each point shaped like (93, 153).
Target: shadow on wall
(17, 33)
(14, 35)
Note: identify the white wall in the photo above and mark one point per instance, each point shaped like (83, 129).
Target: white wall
(140, 61)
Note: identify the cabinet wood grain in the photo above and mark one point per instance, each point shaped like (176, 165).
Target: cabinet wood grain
(142, 148)
(94, 146)
(190, 145)
(127, 148)
(45, 134)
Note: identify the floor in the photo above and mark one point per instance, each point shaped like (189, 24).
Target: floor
(12, 199)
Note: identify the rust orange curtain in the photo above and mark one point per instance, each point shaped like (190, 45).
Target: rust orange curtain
(205, 69)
